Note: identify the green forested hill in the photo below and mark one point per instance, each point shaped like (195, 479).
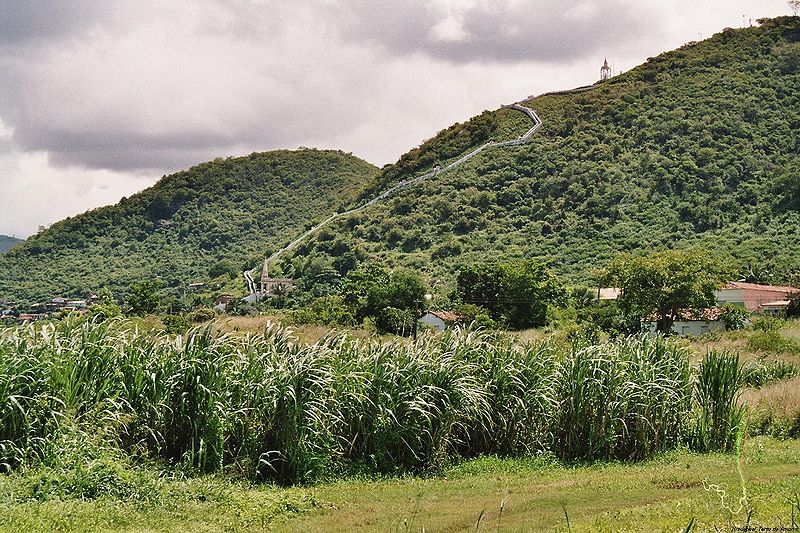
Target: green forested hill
(198, 224)
(697, 147)
(7, 242)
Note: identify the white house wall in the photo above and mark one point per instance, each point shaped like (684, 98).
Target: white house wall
(691, 328)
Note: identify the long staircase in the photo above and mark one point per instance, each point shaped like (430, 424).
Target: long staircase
(522, 139)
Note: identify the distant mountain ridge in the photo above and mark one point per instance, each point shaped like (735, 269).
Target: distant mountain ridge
(7, 242)
(697, 147)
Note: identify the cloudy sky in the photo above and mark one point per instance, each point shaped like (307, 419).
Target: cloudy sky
(98, 99)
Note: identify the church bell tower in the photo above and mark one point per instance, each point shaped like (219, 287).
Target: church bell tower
(605, 71)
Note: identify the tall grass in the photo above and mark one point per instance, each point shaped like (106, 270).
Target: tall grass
(721, 416)
(627, 400)
(274, 409)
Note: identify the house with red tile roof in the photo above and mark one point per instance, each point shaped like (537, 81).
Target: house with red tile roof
(754, 297)
(440, 320)
(692, 322)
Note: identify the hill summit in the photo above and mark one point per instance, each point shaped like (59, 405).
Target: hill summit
(210, 221)
(697, 147)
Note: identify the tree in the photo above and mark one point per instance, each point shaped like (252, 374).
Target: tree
(793, 308)
(663, 284)
(515, 293)
(106, 306)
(393, 299)
(734, 317)
(143, 297)
(223, 266)
(795, 5)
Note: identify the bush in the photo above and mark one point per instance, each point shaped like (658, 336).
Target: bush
(327, 311)
(768, 323)
(772, 341)
(175, 323)
(793, 309)
(759, 373)
(203, 314)
(734, 317)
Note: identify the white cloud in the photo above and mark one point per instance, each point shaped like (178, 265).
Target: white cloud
(34, 192)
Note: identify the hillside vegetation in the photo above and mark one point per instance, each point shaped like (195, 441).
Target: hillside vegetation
(698, 147)
(7, 242)
(206, 222)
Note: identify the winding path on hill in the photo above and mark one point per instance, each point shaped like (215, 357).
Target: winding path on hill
(522, 139)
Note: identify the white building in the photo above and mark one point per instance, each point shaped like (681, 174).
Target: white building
(693, 322)
(439, 320)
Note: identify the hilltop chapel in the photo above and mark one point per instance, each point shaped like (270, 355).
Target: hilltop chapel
(605, 71)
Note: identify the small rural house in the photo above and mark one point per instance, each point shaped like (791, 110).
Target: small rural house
(439, 320)
(755, 298)
(693, 322)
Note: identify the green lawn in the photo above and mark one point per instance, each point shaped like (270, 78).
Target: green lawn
(660, 495)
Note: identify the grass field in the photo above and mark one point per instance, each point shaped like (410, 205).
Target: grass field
(663, 494)
(118, 427)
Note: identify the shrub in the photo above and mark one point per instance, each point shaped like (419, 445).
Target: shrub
(768, 323)
(772, 341)
(175, 323)
(734, 317)
(328, 311)
(202, 314)
(760, 373)
(793, 309)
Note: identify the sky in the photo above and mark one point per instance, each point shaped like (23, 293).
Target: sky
(99, 99)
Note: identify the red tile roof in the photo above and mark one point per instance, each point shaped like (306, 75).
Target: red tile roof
(708, 314)
(447, 316)
(756, 287)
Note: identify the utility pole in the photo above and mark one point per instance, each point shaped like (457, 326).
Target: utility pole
(417, 308)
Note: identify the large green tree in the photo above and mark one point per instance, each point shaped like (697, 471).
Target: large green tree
(142, 297)
(393, 300)
(664, 284)
(515, 293)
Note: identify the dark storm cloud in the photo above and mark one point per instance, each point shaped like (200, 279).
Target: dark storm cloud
(24, 21)
(504, 31)
(132, 150)
(127, 85)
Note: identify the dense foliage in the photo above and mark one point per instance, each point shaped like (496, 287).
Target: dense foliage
(663, 285)
(270, 408)
(696, 148)
(208, 222)
(516, 294)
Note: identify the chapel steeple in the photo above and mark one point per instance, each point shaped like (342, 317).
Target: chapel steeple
(605, 71)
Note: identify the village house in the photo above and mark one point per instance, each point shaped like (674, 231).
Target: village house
(221, 302)
(693, 322)
(439, 320)
(754, 297)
